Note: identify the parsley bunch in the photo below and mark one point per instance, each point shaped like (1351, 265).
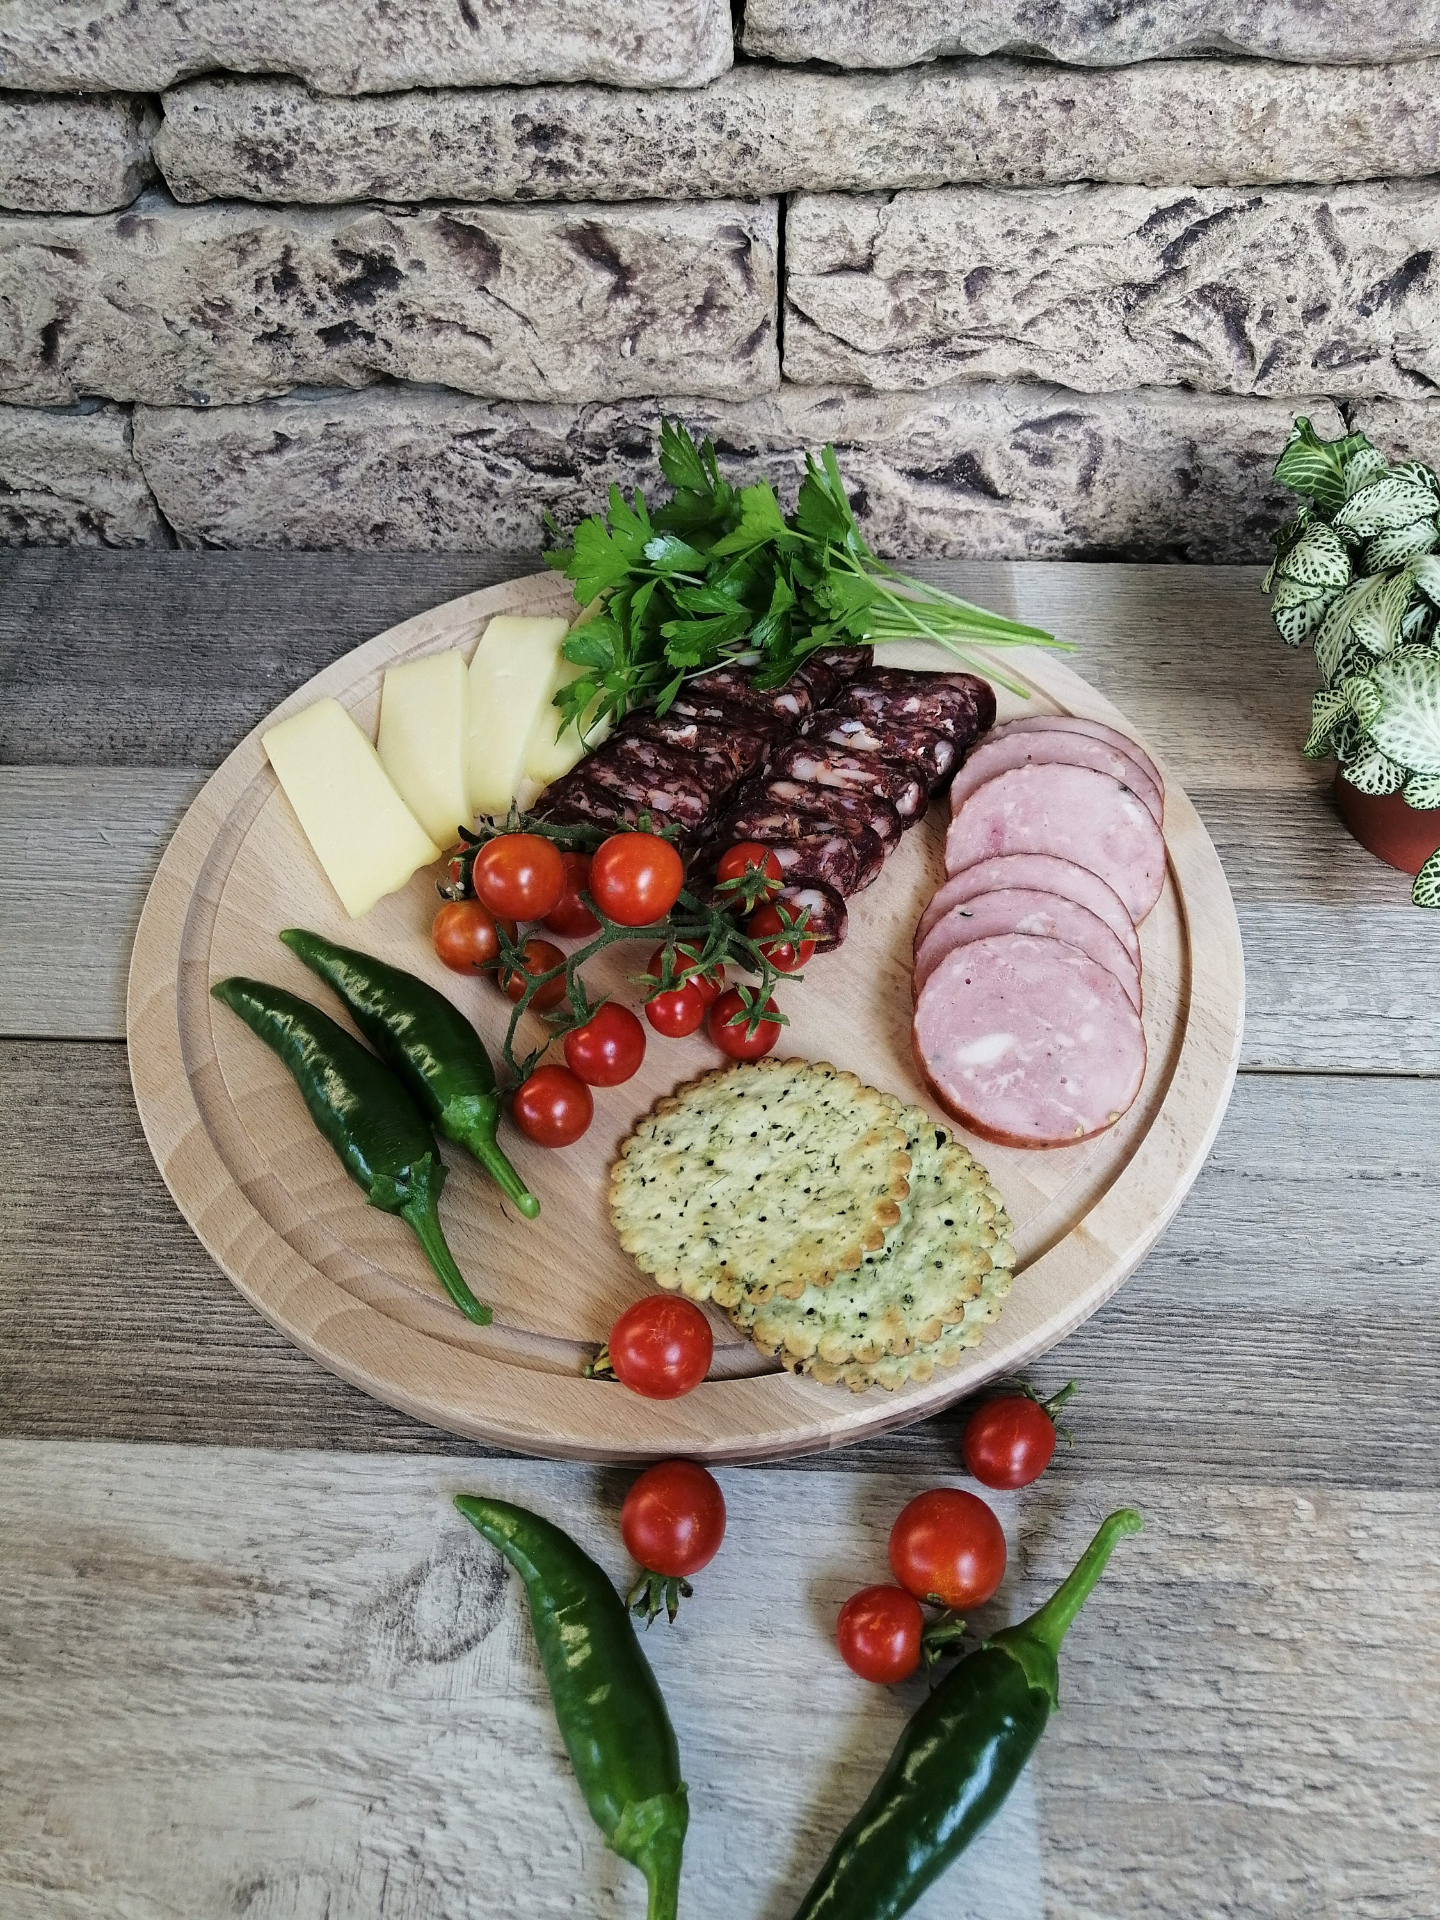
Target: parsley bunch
(719, 573)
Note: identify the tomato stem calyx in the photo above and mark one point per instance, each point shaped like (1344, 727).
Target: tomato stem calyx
(598, 1367)
(657, 1593)
(941, 1637)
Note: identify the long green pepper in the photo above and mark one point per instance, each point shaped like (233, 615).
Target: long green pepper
(429, 1043)
(365, 1114)
(958, 1758)
(611, 1713)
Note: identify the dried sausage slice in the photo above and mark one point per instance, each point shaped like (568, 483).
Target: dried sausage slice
(937, 753)
(1028, 1042)
(907, 788)
(1093, 729)
(1074, 812)
(1044, 745)
(1026, 910)
(831, 804)
(788, 703)
(956, 704)
(1045, 873)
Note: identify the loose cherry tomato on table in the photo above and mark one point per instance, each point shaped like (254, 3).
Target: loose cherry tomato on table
(1009, 1442)
(879, 1634)
(709, 985)
(608, 1049)
(729, 1019)
(947, 1546)
(552, 1107)
(635, 878)
(661, 1347)
(570, 915)
(539, 957)
(521, 875)
(743, 858)
(676, 1013)
(785, 954)
(672, 1523)
(465, 937)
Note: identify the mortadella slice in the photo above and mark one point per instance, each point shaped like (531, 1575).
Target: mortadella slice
(1093, 729)
(1045, 873)
(1024, 910)
(1075, 812)
(1042, 745)
(1028, 1042)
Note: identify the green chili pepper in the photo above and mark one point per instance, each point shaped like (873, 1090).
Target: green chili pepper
(958, 1759)
(611, 1713)
(429, 1043)
(365, 1114)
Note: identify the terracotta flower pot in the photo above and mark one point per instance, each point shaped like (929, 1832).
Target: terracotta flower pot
(1390, 828)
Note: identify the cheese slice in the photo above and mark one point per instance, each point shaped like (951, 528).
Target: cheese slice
(546, 757)
(511, 679)
(362, 832)
(424, 740)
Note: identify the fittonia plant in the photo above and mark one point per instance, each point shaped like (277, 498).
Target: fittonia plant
(1358, 570)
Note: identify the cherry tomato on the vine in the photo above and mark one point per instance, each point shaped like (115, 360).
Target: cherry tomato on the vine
(519, 874)
(728, 1028)
(465, 937)
(879, 1634)
(785, 954)
(738, 860)
(676, 1013)
(948, 1546)
(635, 878)
(552, 1107)
(673, 1519)
(661, 1347)
(539, 957)
(608, 1048)
(1009, 1442)
(570, 915)
(709, 985)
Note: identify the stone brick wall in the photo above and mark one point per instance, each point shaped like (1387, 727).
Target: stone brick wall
(1052, 274)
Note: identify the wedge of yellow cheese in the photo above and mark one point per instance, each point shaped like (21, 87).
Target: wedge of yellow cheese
(511, 679)
(362, 832)
(424, 740)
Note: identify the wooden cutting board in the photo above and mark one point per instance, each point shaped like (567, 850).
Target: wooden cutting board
(348, 1284)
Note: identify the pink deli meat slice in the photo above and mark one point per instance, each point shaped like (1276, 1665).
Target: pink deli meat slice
(1046, 874)
(1028, 1042)
(1022, 910)
(1074, 812)
(1044, 745)
(1092, 729)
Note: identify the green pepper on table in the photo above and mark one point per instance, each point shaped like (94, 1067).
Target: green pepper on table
(365, 1114)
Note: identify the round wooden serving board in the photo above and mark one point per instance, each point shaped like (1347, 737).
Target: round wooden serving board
(270, 1201)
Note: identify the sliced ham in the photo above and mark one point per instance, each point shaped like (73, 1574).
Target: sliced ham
(1028, 1042)
(1045, 873)
(1092, 729)
(1025, 910)
(1043, 745)
(1073, 812)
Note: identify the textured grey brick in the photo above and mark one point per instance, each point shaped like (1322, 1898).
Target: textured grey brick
(59, 155)
(361, 46)
(762, 130)
(990, 472)
(1267, 291)
(1402, 429)
(1088, 33)
(71, 478)
(202, 305)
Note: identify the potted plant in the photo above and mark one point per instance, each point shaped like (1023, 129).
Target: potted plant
(1358, 571)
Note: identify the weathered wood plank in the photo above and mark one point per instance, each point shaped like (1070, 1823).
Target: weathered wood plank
(1295, 1276)
(297, 1684)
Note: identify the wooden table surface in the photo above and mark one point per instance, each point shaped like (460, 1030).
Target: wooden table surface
(252, 1664)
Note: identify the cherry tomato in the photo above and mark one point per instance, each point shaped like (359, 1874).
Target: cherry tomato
(709, 985)
(540, 957)
(1008, 1442)
(879, 1632)
(552, 1107)
(570, 915)
(677, 1012)
(735, 1040)
(661, 1347)
(607, 1049)
(673, 1519)
(465, 937)
(737, 861)
(635, 878)
(785, 955)
(519, 874)
(947, 1546)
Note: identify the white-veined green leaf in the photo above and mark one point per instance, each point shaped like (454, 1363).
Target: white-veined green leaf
(1384, 505)
(1417, 471)
(1360, 696)
(1363, 467)
(1426, 890)
(1374, 773)
(1349, 739)
(1369, 612)
(1419, 623)
(1298, 622)
(1422, 791)
(1388, 550)
(1407, 726)
(1427, 577)
(1318, 557)
(1315, 467)
(1295, 593)
(1326, 707)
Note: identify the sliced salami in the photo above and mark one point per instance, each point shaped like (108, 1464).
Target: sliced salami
(917, 746)
(1024, 910)
(1044, 745)
(1075, 812)
(788, 703)
(955, 704)
(848, 663)
(827, 920)
(1028, 1042)
(831, 804)
(1046, 874)
(1092, 729)
(906, 787)
(743, 751)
